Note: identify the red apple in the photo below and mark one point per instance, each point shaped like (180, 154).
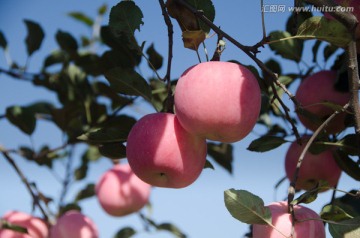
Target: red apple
(36, 227)
(162, 153)
(314, 167)
(313, 92)
(120, 192)
(305, 226)
(218, 100)
(74, 224)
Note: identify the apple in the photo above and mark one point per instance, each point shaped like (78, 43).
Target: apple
(314, 167)
(219, 101)
(312, 92)
(36, 227)
(162, 153)
(120, 192)
(305, 225)
(74, 224)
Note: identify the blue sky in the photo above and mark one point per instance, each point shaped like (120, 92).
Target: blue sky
(199, 209)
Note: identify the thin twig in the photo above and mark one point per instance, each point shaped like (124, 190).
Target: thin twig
(68, 177)
(26, 182)
(167, 78)
(291, 191)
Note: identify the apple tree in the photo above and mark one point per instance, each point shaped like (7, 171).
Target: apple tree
(197, 116)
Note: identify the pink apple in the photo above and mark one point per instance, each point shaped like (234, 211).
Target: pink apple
(162, 153)
(36, 227)
(314, 168)
(316, 90)
(74, 224)
(120, 192)
(218, 100)
(305, 226)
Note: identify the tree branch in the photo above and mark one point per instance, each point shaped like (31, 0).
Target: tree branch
(167, 78)
(26, 182)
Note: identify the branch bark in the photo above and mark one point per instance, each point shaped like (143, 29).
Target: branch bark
(26, 182)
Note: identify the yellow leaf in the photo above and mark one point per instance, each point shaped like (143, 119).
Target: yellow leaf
(192, 39)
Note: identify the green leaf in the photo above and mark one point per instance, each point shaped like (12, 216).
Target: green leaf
(324, 29)
(171, 228)
(9, 226)
(186, 19)
(3, 42)
(91, 154)
(208, 165)
(207, 7)
(266, 143)
(86, 192)
(125, 232)
(66, 41)
(116, 99)
(247, 207)
(334, 213)
(286, 46)
(222, 153)
(307, 197)
(69, 207)
(349, 144)
(34, 37)
(102, 9)
(56, 57)
(81, 172)
(116, 130)
(21, 117)
(128, 82)
(113, 150)
(90, 63)
(295, 20)
(346, 229)
(274, 66)
(155, 59)
(347, 165)
(125, 17)
(349, 203)
(81, 17)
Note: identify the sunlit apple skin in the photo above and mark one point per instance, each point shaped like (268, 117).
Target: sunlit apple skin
(120, 192)
(218, 100)
(319, 88)
(36, 227)
(162, 153)
(282, 221)
(74, 224)
(314, 167)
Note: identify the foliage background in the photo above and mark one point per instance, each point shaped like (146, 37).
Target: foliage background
(198, 210)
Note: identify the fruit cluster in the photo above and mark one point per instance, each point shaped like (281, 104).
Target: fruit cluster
(217, 101)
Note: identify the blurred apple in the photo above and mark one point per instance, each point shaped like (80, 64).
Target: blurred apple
(162, 153)
(74, 224)
(307, 224)
(316, 90)
(120, 192)
(219, 101)
(314, 167)
(36, 227)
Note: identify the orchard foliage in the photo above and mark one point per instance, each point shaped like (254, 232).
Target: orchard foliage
(81, 78)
